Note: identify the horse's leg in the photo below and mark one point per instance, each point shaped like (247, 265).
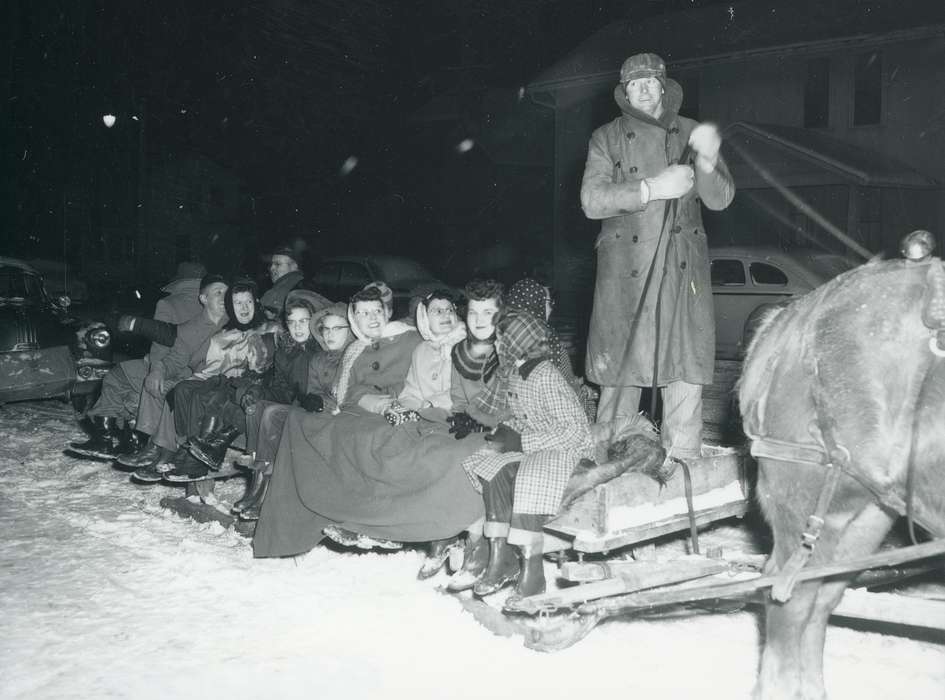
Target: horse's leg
(861, 536)
(787, 493)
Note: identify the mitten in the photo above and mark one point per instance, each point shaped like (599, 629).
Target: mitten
(313, 403)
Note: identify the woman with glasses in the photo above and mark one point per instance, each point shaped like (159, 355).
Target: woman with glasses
(351, 475)
(304, 377)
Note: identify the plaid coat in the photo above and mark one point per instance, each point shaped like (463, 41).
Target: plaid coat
(555, 435)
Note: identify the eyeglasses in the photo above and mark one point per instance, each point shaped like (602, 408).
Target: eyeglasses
(442, 311)
(333, 329)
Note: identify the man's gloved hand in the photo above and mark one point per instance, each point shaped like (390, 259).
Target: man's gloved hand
(672, 183)
(154, 383)
(313, 403)
(706, 142)
(462, 424)
(504, 439)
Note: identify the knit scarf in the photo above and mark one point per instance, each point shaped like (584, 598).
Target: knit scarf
(471, 367)
(443, 343)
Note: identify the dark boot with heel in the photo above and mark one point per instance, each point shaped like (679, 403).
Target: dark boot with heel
(532, 579)
(104, 439)
(253, 508)
(252, 491)
(437, 556)
(475, 561)
(503, 568)
(212, 449)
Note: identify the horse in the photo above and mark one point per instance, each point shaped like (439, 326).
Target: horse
(843, 396)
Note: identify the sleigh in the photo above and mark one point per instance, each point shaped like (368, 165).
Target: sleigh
(609, 564)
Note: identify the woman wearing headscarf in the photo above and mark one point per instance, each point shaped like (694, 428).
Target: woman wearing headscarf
(239, 354)
(348, 469)
(535, 450)
(304, 373)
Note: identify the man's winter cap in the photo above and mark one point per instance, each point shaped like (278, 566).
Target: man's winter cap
(643, 65)
(212, 278)
(286, 251)
(188, 271)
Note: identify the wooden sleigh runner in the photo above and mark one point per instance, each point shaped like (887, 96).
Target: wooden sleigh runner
(632, 509)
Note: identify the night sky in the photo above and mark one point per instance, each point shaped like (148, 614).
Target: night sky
(281, 92)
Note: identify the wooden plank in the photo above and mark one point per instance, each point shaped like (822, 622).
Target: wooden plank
(894, 608)
(592, 512)
(589, 543)
(631, 578)
(586, 572)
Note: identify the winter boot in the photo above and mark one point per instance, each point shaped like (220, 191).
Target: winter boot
(252, 491)
(475, 560)
(187, 469)
(208, 426)
(131, 441)
(252, 510)
(437, 556)
(532, 579)
(104, 437)
(144, 457)
(150, 473)
(212, 449)
(503, 568)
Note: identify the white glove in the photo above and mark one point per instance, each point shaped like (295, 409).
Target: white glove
(706, 142)
(375, 403)
(672, 183)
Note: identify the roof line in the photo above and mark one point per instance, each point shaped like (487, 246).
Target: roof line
(822, 45)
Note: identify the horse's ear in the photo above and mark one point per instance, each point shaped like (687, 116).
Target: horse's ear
(933, 301)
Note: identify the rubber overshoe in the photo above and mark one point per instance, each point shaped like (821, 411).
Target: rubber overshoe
(475, 561)
(503, 568)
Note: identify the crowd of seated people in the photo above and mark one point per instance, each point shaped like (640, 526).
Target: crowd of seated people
(455, 430)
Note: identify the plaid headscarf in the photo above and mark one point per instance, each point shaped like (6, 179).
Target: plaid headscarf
(519, 336)
(530, 295)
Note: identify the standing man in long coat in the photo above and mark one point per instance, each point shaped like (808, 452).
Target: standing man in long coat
(635, 183)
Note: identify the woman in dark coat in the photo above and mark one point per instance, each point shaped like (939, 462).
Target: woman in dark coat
(304, 373)
(348, 466)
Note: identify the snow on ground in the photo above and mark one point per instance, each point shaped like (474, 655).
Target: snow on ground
(107, 595)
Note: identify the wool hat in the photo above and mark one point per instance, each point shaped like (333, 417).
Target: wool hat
(212, 278)
(643, 65)
(288, 252)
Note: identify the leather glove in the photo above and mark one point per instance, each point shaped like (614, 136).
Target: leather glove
(706, 142)
(672, 183)
(313, 403)
(462, 424)
(504, 439)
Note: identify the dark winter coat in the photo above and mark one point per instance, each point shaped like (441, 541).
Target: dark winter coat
(290, 370)
(620, 155)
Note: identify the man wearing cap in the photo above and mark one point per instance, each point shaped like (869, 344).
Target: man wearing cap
(121, 387)
(646, 174)
(285, 275)
(187, 355)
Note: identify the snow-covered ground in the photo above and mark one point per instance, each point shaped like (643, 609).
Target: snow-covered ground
(106, 595)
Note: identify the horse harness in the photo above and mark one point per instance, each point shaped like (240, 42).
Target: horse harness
(830, 454)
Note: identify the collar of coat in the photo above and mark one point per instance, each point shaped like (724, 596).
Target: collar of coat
(527, 367)
(672, 101)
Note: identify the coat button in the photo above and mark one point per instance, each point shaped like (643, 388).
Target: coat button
(631, 136)
(634, 273)
(636, 238)
(632, 169)
(682, 265)
(375, 365)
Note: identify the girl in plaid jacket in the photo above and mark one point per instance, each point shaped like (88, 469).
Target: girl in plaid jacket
(535, 450)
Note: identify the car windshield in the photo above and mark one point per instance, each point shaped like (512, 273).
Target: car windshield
(829, 265)
(19, 285)
(396, 271)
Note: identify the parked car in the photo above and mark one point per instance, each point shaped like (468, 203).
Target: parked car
(748, 281)
(340, 277)
(44, 351)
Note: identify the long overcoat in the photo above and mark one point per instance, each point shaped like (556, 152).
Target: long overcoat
(620, 155)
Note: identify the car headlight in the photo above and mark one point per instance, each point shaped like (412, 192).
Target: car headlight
(99, 338)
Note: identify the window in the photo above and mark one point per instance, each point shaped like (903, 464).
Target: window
(727, 273)
(762, 273)
(817, 93)
(867, 88)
